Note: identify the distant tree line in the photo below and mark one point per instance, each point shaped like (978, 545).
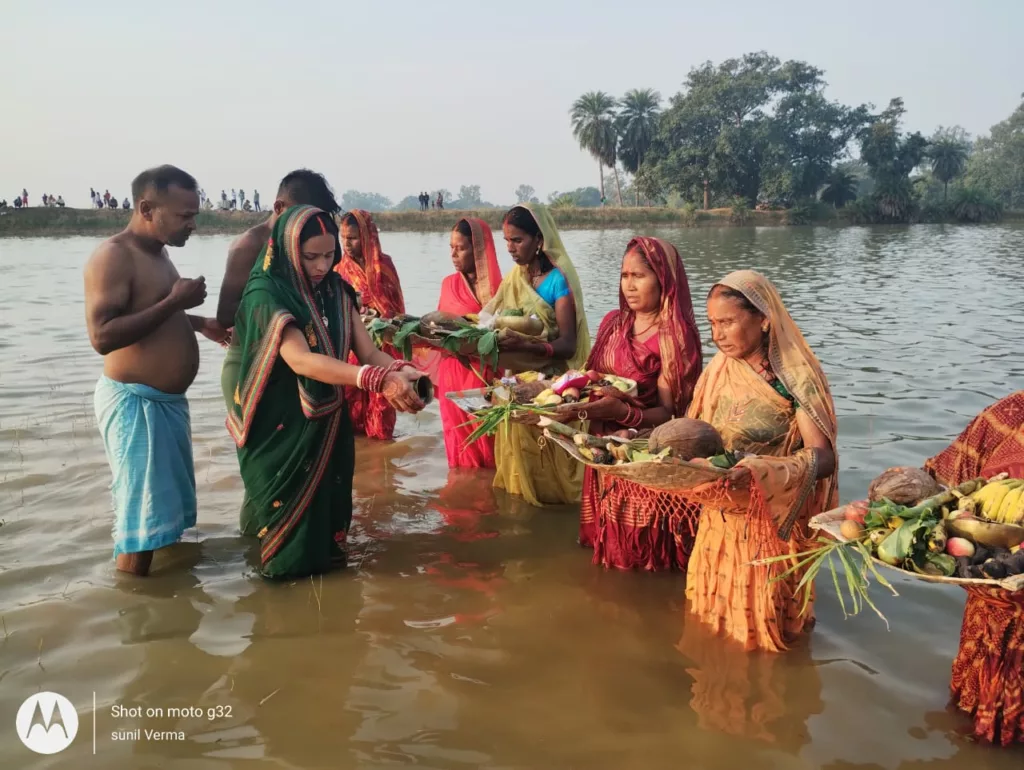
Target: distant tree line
(757, 132)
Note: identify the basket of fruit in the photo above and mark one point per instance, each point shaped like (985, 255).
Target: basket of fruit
(681, 454)
(529, 396)
(458, 335)
(969, 534)
(572, 388)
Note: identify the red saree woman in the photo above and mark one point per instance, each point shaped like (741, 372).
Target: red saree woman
(370, 271)
(475, 281)
(652, 338)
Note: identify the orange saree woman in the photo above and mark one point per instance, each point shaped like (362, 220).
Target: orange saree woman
(653, 339)
(372, 274)
(475, 281)
(767, 395)
(988, 673)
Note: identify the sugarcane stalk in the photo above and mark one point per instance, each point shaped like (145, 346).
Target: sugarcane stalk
(943, 498)
(559, 428)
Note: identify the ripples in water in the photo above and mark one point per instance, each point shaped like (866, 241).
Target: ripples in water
(469, 629)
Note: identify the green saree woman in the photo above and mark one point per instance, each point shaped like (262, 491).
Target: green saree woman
(297, 322)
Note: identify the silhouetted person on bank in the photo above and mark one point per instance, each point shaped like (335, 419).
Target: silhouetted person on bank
(17, 202)
(126, 205)
(60, 201)
(256, 200)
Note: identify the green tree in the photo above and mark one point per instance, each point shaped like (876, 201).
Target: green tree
(840, 188)
(890, 157)
(408, 203)
(525, 194)
(469, 195)
(593, 126)
(582, 197)
(752, 127)
(948, 150)
(637, 124)
(353, 199)
(996, 164)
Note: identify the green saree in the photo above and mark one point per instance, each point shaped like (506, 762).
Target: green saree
(293, 434)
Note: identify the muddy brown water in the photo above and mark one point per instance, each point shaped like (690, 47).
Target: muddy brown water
(470, 630)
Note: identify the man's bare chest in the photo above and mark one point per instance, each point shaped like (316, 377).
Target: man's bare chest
(151, 282)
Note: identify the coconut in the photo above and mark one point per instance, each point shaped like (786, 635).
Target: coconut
(904, 486)
(687, 439)
(438, 319)
(527, 326)
(525, 392)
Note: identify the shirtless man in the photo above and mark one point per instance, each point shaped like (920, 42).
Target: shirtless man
(135, 305)
(299, 188)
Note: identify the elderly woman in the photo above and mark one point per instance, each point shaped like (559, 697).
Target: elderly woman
(653, 339)
(297, 323)
(766, 394)
(543, 284)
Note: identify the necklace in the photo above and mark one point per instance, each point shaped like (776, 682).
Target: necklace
(765, 369)
(638, 335)
(323, 312)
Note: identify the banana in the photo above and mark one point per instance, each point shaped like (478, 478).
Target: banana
(1008, 504)
(990, 497)
(1016, 516)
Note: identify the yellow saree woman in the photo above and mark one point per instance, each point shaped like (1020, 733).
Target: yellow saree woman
(725, 590)
(539, 475)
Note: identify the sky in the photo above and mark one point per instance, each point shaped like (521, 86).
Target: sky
(394, 97)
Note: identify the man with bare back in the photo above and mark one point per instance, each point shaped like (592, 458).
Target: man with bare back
(135, 305)
(299, 188)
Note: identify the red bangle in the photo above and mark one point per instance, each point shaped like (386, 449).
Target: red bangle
(633, 418)
(373, 379)
(549, 349)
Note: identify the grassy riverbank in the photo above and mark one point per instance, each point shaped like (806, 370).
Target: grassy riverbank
(36, 222)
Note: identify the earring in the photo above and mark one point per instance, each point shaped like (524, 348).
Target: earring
(764, 329)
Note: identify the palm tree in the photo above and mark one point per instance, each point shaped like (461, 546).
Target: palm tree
(840, 188)
(949, 160)
(593, 125)
(637, 124)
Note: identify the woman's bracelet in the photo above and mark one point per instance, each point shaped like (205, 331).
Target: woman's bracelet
(633, 418)
(549, 349)
(397, 365)
(371, 378)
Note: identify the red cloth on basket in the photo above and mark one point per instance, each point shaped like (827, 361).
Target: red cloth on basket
(988, 673)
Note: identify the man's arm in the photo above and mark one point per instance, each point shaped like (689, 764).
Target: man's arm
(108, 280)
(241, 257)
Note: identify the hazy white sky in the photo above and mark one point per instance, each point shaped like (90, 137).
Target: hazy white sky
(401, 95)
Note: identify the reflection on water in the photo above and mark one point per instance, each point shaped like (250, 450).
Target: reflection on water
(470, 630)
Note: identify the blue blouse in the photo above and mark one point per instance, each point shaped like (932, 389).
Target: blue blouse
(553, 287)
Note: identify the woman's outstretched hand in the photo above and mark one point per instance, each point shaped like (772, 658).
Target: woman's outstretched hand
(400, 390)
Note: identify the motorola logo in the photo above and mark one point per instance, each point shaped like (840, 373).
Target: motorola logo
(47, 722)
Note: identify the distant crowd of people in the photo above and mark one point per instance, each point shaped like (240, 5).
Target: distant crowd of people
(426, 202)
(236, 202)
(21, 201)
(107, 201)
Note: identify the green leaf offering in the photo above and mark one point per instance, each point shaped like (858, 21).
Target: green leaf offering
(725, 460)
(402, 341)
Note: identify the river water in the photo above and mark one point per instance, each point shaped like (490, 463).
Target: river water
(471, 631)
